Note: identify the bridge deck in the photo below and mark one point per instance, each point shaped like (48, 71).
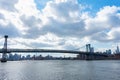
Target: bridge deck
(48, 51)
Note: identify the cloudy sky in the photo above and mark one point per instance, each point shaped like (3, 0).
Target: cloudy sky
(60, 24)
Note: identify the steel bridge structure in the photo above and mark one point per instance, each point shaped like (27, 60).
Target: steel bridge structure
(82, 54)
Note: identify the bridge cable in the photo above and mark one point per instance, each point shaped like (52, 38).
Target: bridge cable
(79, 48)
(23, 43)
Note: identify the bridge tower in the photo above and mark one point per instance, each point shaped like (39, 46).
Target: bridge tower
(4, 54)
(88, 47)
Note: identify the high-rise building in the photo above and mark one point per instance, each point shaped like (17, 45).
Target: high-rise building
(117, 50)
(92, 49)
(109, 51)
(86, 47)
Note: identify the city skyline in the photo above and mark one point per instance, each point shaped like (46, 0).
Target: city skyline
(60, 24)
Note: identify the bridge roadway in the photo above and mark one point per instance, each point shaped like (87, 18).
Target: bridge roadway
(49, 51)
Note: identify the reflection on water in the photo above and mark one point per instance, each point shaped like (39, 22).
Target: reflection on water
(60, 70)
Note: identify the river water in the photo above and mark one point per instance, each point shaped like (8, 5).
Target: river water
(60, 70)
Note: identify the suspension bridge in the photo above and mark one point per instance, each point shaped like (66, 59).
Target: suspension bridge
(89, 54)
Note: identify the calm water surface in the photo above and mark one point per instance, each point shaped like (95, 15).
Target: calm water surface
(60, 70)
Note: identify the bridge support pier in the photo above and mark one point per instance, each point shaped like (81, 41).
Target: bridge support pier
(89, 57)
(4, 54)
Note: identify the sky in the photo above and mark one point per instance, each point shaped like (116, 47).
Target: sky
(60, 24)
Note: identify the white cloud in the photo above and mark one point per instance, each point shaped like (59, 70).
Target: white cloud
(57, 22)
(8, 5)
(101, 27)
(56, 18)
(27, 7)
(62, 10)
(114, 34)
